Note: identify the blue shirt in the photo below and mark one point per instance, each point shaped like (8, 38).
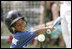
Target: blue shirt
(22, 39)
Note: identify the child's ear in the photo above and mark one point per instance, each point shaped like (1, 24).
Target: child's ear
(25, 23)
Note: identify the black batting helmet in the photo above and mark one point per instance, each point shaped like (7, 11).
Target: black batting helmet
(12, 17)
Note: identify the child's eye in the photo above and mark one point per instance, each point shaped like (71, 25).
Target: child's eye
(22, 21)
(18, 25)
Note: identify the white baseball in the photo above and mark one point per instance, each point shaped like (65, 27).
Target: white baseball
(41, 38)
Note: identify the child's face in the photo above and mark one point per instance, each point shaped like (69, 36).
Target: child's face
(20, 25)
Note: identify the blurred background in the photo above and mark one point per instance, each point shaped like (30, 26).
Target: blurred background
(36, 14)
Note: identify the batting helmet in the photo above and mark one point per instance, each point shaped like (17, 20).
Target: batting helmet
(12, 17)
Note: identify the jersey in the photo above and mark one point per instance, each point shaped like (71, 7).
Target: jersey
(22, 39)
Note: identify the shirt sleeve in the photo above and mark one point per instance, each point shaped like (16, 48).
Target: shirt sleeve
(32, 35)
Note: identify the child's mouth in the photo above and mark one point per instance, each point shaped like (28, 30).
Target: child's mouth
(23, 28)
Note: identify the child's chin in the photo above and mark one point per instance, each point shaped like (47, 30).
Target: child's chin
(22, 30)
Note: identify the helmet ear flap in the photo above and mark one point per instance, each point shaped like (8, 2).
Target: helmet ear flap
(12, 30)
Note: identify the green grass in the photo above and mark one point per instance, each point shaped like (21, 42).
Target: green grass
(4, 44)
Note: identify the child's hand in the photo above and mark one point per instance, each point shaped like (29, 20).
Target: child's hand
(51, 28)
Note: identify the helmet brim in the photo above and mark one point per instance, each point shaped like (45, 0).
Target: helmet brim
(16, 20)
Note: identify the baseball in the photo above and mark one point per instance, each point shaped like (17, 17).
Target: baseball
(41, 38)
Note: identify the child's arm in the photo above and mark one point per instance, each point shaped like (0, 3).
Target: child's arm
(43, 30)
